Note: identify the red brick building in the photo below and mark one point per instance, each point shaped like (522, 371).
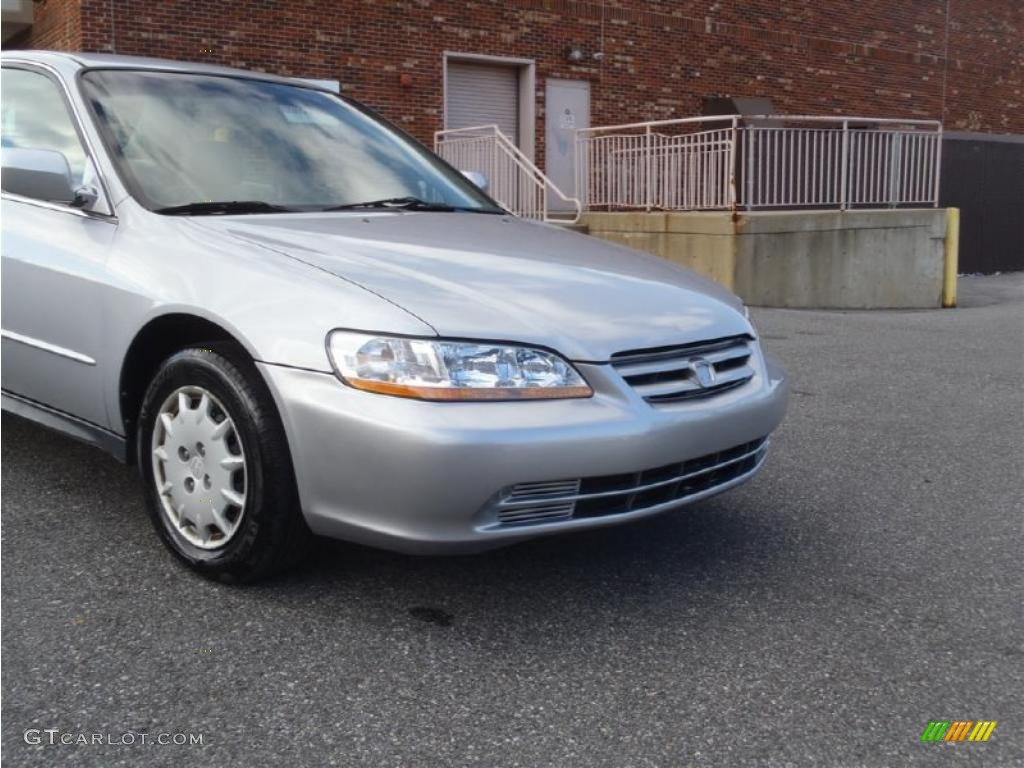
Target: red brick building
(960, 61)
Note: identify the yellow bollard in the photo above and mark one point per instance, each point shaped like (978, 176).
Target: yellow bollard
(952, 257)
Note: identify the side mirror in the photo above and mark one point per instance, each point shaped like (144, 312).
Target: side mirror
(42, 174)
(85, 197)
(477, 178)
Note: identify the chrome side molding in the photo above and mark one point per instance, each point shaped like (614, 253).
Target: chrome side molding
(70, 354)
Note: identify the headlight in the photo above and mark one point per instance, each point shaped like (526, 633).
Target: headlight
(435, 369)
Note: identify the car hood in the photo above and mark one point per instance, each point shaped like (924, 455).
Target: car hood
(504, 279)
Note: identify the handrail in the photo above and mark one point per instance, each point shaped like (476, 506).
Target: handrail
(539, 175)
(728, 118)
(717, 162)
(514, 180)
(658, 123)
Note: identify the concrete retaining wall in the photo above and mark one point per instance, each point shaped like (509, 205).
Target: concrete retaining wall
(825, 259)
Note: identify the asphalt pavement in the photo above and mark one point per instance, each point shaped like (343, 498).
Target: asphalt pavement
(867, 582)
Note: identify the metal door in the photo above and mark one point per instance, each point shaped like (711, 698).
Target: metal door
(54, 265)
(567, 108)
(483, 94)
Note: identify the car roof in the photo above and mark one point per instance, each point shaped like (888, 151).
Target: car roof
(74, 60)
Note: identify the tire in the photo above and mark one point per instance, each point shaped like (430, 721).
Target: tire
(226, 505)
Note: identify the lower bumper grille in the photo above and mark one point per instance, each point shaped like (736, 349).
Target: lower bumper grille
(537, 503)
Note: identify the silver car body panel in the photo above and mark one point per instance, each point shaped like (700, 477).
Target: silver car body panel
(407, 475)
(498, 277)
(78, 289)
(54, 284)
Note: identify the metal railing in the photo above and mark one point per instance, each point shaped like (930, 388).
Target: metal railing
(760, 161)
(513, 179)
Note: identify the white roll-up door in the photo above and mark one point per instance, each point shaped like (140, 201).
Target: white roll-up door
(481, 94)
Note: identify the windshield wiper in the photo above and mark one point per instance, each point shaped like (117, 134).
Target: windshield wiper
(408, 204)
(215, 208)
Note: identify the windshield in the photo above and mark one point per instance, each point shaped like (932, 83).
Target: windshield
(187, 140)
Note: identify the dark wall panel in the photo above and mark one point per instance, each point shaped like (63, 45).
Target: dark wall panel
(984, 178)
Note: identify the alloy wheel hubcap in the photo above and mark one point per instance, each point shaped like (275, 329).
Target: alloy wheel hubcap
(199, 467)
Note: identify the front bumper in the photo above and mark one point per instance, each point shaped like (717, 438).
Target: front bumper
(424, 478)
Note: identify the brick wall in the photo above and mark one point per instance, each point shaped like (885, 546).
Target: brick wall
(873, 58)
(56, 25)
(985, 89)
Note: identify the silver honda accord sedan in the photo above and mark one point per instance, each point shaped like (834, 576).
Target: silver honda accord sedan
(295, 319)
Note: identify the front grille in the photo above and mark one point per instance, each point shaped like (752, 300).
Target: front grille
(545, 502)
(673, 374)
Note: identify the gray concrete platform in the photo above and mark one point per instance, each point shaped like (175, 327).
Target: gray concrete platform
(861, 259)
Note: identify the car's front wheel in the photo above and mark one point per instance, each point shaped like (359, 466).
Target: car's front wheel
(214, 459)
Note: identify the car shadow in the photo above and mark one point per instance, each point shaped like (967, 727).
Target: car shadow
(687, 561)
(679, 560)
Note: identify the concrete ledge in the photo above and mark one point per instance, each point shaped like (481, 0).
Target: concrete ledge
(766, 222)
(690, 222)
(802, 259)
(701, 241)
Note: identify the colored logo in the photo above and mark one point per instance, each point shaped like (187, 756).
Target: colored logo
(958, 730)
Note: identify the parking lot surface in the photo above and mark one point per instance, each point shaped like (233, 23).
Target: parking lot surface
(867, 582)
